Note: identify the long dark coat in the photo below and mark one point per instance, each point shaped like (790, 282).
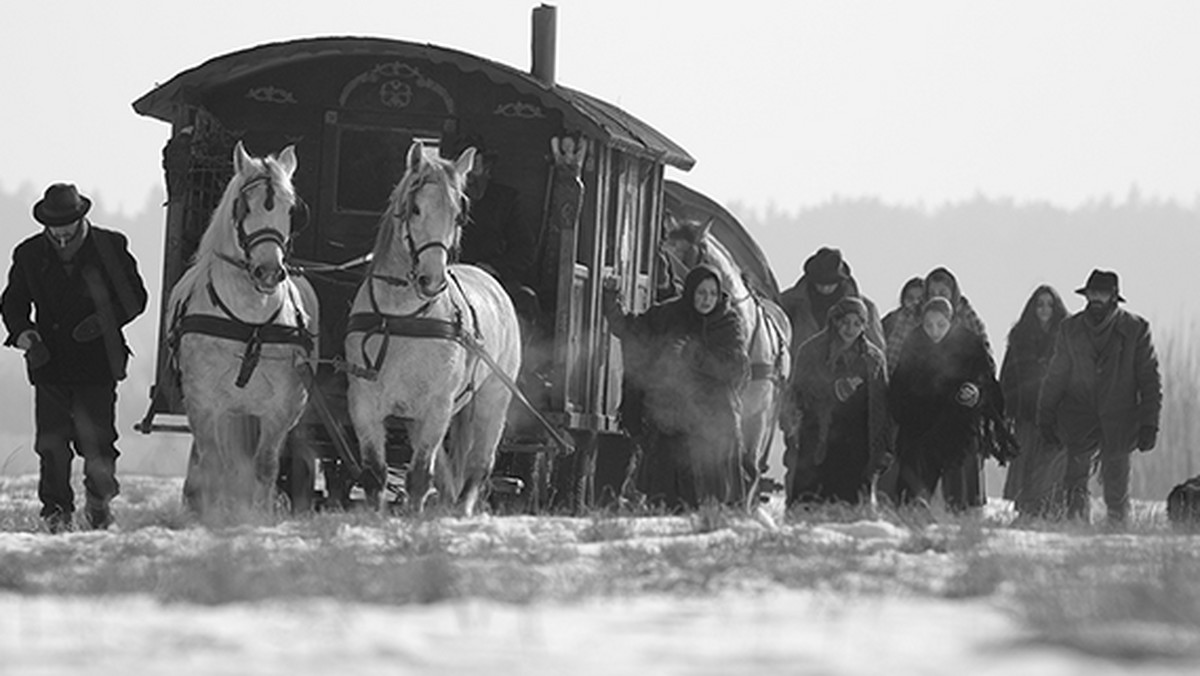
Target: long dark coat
(1115, 385)
(690, 368)
(840, 443)
(45, 294)
(936, 433)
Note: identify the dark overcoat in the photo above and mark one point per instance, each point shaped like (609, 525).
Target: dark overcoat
(1114, 384)
(53, 297)
(827, 448)
(923, 390)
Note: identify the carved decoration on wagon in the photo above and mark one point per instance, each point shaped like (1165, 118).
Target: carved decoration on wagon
(271, 94)
(519, 110)
(566, 200)
(396, 85)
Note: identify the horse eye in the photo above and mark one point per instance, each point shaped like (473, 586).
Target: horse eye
(416, 210)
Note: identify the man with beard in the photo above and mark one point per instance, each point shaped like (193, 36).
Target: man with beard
(1102, 394)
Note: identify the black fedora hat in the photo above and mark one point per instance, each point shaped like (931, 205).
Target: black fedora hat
(826, 266)
(1102, 280)
(61, 205)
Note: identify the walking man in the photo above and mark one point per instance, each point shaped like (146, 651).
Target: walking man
(1102, 394)
(71, 289)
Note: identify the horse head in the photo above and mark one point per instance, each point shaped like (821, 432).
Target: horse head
(259, 205)
(685, 242)
(422, 217)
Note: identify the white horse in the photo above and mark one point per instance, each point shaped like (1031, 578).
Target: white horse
(767, 337)
(424, 339)
(242, 330)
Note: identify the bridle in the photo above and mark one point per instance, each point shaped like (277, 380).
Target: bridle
(241, 210)
(404, 213)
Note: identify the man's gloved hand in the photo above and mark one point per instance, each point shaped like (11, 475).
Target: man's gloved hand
(87, 330)
(1147, 437)
(1050, 435)
(968, 395)
(37, 354)
(844, 388)
(26, 339)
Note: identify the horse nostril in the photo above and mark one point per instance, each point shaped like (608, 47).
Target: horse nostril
(424, 281)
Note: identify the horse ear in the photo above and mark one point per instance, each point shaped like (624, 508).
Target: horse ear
(241, 158)
(287, 161)
(416, 155)
(465, 161)
(670, 224)
(705, 229)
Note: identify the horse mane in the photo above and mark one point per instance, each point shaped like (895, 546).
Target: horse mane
(432, 170)
(220, 233)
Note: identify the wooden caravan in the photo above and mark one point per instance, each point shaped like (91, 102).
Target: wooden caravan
(589, 178)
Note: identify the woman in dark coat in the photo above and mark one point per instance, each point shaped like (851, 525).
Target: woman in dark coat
(944, 396)
(1034, 479)
(687, 359)
(838, 392)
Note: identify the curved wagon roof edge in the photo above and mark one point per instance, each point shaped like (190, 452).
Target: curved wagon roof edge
(729, 230)
(595, 116)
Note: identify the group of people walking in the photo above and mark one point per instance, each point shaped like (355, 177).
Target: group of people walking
(905, 406)
(898, 406)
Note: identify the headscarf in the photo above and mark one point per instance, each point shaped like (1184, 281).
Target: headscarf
(692, 282)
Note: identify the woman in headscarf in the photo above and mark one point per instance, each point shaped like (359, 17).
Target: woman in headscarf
(969, 486)
(838, 397)
(912, 295)
(1034, 479)
(689, 362)
(944, 396)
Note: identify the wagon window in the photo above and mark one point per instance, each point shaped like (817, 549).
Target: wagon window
(370, 164)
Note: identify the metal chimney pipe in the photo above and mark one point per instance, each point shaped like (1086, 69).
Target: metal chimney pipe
(544, 42)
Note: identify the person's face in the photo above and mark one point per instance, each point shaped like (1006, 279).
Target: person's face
(61, 234)
(936, 325)
(850, 327)
(912, 297)
(1044, 308)
(940, 289)
(1100, 303)
(826, 289)
(706, 296)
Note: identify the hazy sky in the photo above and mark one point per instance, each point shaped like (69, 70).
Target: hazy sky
(784, 102)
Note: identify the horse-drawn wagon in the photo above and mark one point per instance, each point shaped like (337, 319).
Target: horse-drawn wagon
(589, 180)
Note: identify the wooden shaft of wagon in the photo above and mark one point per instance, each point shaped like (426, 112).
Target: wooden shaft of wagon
(473, 345)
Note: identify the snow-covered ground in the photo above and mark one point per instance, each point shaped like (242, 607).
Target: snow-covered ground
(749, 627)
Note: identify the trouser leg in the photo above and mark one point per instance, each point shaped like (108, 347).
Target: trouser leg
(1114, 477)
(1081, 454)
(52, 443)
(94, 411)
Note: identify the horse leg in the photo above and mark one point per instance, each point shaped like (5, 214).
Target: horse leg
(371, 433)
(272, 434)
(426, 436)
(201, 484)
(477, 456)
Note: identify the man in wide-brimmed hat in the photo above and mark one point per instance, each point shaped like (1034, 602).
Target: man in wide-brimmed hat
(1102, 395)
(71, 289)
(826, 280)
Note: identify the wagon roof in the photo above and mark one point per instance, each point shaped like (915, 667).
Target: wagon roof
(688, 203)
(595, 117)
